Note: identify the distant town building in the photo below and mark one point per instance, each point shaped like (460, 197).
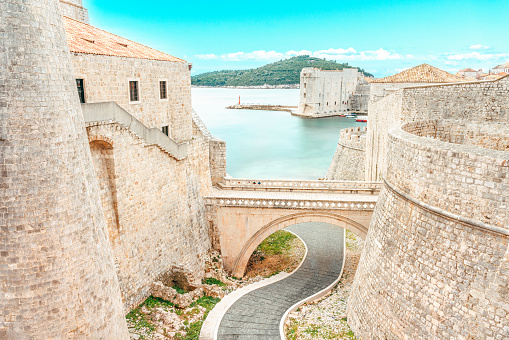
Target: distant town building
(468, 73)
(423, 74)
(500, 68)
(329, 93)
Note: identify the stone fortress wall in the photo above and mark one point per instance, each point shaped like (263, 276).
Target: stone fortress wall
(450, 101)
(153, 202)
(348, 161)
(74, 9)
(326, 93)
(152, 197)
(436, 259)
(58, 277)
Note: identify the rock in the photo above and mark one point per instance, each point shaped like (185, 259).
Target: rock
(213, 291)
(161, 291)
(182, 300)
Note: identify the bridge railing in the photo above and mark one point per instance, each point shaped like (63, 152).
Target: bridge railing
(295, 185)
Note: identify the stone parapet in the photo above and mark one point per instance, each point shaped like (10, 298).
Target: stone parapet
(349, 187)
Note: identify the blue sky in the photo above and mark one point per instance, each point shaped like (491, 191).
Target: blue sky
(383, 37)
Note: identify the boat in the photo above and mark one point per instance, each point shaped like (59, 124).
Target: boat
(363, 120)
(351, 116)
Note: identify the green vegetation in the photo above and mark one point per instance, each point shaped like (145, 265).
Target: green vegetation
(283, 72)
(277, 243)
(213, 281)
(194, 329)
(179, 290)
(141, 323)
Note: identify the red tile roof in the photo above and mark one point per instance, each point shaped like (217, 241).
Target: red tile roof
(423, 73)
(87, 39)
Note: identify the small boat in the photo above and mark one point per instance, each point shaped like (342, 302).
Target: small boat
(342, 115)
(351, 116)
(361, 120)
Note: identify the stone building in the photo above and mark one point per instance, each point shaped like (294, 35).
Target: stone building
(108, 212)
(423, 74)
(436, 259)
(500, 68)
(151, 156)
(468, 73)
(330, 93)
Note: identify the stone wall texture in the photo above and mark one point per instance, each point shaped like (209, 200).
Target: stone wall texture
(478, 101)
(57, 277)
(436, 259)
(74, 9)
(348, 161)
(326, 92)
(106, 78)
(153, 204)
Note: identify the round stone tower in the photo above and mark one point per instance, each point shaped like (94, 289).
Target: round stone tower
(57, 277)
(436, 260)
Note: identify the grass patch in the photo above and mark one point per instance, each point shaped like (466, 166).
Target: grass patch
(179, 290)
(139, 322)
(152, 302)
(213, 281)
(277, 243)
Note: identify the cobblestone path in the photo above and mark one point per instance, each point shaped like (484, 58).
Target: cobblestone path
(257, 315)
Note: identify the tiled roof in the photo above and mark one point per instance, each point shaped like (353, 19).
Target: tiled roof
(423, 73)
(87, 39)
(506, 65)
(467, 70)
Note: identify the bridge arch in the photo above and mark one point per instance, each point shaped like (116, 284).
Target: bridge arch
(242, 258)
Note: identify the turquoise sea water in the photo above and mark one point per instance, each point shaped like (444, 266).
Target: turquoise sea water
(269, 144)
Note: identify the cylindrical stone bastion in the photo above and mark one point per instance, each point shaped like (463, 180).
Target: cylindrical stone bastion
(436, 259)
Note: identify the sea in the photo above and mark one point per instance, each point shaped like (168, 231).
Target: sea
(269, 144)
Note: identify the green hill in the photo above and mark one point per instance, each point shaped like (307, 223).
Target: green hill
(282, 72)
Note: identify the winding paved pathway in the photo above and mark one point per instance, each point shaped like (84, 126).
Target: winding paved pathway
(257, 315)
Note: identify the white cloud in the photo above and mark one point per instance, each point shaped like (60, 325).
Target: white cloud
(479, 47)
(293, 53)
(477, 56)
(255, 55)
(206, 56)
(352, 54)
(339, 54)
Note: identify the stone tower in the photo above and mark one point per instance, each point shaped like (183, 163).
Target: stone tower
(57, 280)
(74, 9)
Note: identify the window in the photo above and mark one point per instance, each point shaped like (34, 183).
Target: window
(162, 89)
(134, 91)
(81, 90)
(165, 130)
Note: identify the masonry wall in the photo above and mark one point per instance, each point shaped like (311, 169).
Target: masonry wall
(161, 225)
(106, 78)
(436, 259)
(348, 161)
(477, 101)
(74, 9)
(57, 275)
(326, 92)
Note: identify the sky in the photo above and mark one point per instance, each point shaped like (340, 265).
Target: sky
(383, 37)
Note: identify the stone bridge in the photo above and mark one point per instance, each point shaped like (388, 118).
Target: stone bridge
(243, 212)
